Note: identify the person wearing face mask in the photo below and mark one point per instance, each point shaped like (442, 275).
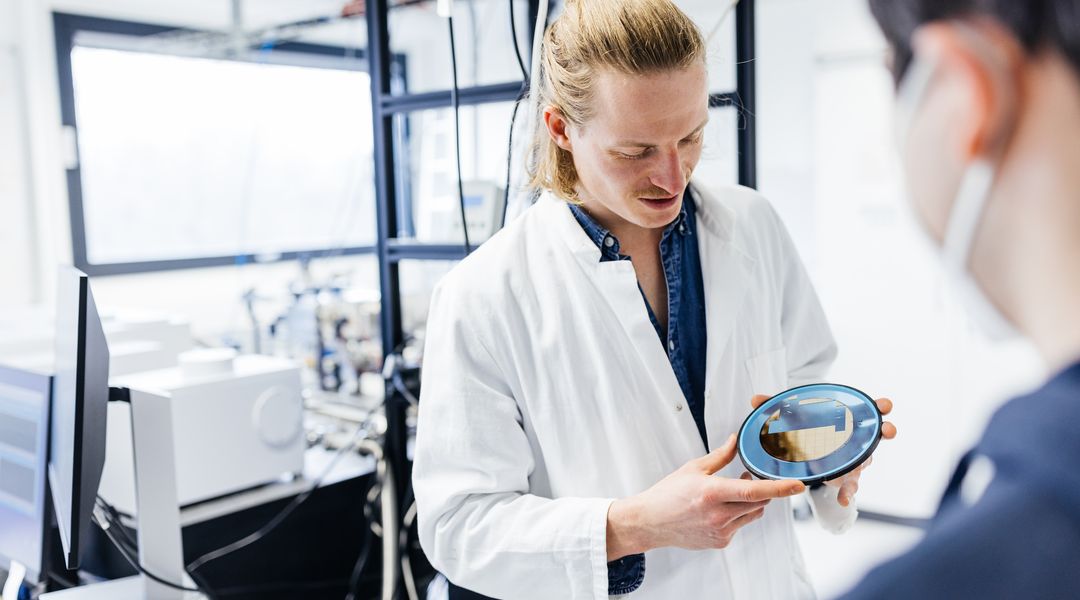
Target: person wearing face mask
(585, 369)
(989, 108)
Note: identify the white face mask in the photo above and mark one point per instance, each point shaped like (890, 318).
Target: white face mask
(966, 213)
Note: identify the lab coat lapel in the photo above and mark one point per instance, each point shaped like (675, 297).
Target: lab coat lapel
(617, 283)
(725, 272)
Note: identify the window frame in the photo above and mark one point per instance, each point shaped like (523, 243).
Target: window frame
(66, 28)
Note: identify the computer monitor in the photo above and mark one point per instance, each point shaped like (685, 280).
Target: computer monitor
(24, 434)
(80, 396)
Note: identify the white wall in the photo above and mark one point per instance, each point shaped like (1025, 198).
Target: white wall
(785, 76)
(826, 160)
(18, 251)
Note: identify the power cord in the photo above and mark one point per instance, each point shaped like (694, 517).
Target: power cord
(517, 47)
(392, 373)
(383, 491)
(102, 518)
(406, 563)
(525, 81)
(455, 101)
(213, 555)
(114, 520)
(113, 528)
(361, 561)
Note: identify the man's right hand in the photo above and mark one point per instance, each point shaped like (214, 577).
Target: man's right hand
(691, 508)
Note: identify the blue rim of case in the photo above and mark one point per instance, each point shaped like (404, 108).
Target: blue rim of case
(864, 438)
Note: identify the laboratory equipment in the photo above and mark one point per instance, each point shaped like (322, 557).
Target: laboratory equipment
(439, 216)
(246, 408)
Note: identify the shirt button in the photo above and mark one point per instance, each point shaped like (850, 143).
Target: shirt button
(671, 345)
(678, 407)
(609, 241)
(682, 228)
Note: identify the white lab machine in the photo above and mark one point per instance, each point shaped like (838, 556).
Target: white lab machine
(237, 423)
(483, 211)
(439, 216)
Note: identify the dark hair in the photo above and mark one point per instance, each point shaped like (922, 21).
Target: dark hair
(1037, 24)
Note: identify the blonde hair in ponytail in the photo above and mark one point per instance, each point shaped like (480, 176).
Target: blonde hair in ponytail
(634, 37)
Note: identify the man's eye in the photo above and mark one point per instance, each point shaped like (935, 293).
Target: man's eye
(692, 141)
(636, 156)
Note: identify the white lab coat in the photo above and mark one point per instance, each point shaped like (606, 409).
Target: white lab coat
(546, 394)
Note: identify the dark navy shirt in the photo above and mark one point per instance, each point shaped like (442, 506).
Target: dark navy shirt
(1019, 537)
(684, 341)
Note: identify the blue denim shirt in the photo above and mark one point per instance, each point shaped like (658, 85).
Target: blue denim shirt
(684, 340)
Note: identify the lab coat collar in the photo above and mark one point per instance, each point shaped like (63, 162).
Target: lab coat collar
(608, 243)
(711, 215)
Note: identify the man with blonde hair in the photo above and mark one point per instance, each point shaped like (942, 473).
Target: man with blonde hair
(581, 364)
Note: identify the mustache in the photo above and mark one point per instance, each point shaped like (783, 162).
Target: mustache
(657, 192)
(654, 193)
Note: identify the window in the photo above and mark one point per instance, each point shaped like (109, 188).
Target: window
(188, 161)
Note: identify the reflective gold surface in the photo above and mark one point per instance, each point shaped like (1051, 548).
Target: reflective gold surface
(808, 429)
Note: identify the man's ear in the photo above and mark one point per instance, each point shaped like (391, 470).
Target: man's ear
(979, 70)
(557, 126)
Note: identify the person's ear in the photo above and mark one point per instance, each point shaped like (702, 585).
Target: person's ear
(979, 66)
(558, 128)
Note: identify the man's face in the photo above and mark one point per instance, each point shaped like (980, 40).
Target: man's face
(635, 156)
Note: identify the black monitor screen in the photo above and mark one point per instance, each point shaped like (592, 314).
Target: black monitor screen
(80, 395)
(24, 417)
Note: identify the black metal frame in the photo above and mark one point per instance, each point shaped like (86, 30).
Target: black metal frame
(66, 26)
(746, 90)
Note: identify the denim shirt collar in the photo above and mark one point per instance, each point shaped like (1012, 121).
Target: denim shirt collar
(609, 244)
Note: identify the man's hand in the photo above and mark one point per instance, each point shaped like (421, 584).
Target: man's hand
(849, 483)
(691, 508)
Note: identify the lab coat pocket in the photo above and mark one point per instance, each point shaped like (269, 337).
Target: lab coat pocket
(768, 372)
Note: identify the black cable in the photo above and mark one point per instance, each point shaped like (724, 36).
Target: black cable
(129, 548)
(510, 148)
(399, 385)
(457, 134)
(373, 494)
(277, 520)
(403, 546)
(513, 116)
(64, 582)
(201, 581)
(361, 562)
(114, 519)
(517, 48)
(107, 528)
